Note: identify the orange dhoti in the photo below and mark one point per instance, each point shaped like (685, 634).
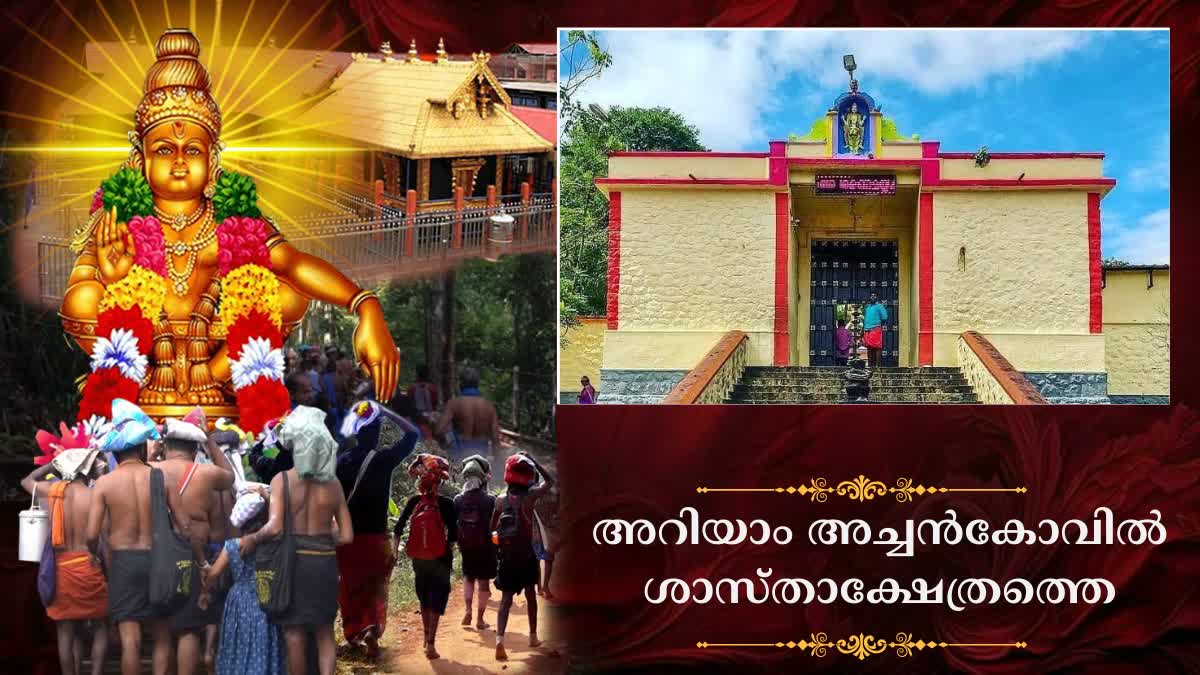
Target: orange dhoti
(80, 589)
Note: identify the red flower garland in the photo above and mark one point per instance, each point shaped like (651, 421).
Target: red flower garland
(130, 319)
(251, 311)
(252, 325)
(101, 388)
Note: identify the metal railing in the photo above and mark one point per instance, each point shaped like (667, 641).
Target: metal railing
(380, 246)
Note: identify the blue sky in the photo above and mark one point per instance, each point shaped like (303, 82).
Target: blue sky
(1105, 91)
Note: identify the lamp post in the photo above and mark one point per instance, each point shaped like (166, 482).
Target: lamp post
(849, 65)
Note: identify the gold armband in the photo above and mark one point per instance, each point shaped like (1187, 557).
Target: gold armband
(359, 298)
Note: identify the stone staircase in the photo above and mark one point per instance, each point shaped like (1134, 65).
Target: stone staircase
(807, 384)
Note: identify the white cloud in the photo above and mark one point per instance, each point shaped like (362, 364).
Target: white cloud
(1155, 173)
(1146, 243)
(725, 81)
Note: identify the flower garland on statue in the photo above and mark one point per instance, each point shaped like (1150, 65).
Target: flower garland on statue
(129, 307)
(250, 310)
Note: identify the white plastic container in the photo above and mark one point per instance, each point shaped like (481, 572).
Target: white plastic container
(34, 528)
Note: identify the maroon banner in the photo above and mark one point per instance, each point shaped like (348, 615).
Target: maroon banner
(855, 185)
(649, 462)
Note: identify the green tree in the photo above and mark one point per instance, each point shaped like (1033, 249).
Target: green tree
(583, 215)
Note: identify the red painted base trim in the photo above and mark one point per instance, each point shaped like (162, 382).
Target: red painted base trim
(925, 280)
(614, 258)
(782, 343)
(1095, 292)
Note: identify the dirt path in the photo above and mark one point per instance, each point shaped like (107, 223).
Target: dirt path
(464, 650)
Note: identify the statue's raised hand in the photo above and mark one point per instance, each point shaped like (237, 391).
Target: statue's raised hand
(114, 248)
(375, 350)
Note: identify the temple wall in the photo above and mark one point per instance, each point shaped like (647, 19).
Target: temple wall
(580, 353)
(1067, 167)
(694, 264)
(697, 165)
(1137, 332)
(1023, 281)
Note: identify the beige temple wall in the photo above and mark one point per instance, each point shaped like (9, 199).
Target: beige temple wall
(1024, 284)
(695, 263)
(580, 353)
(1067, 167)
(698, 165)
(1137, 332)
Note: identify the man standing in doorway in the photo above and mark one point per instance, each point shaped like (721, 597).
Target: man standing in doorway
(873, 317)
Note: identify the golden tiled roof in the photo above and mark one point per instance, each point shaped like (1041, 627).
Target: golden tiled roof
(407, 106)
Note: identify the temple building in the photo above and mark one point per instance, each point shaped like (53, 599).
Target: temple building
(728, 272)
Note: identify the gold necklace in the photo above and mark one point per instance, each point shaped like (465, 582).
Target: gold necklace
(180, 221)
(179, 280)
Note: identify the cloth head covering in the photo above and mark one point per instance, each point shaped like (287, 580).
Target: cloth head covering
(519, 470)
(247, 506)
(76, 462)
(477, 465)
(130, 427)
(360, 415)
(429, 470)
(304, 433)
(183, 431)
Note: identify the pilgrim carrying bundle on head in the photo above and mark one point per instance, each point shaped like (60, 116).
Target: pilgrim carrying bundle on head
(303, 431)
(519, 470)
(476, 466)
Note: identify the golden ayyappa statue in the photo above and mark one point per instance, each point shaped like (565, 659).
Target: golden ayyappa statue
(176, 147)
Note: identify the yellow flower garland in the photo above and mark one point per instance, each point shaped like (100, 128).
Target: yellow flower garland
(250, 288)
(140, 287)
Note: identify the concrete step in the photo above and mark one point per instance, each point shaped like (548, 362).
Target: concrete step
(786, 398)
(837, 369)
(838, 388)
(876, 380)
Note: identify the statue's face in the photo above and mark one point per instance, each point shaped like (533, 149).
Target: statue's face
(177, 155)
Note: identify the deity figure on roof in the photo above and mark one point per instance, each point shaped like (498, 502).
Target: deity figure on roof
(852, 129)
(183, 292)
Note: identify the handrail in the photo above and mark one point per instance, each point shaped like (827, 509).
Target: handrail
(1012, 381)
(695, 384)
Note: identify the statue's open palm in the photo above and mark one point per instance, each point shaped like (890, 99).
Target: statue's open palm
(114, 248)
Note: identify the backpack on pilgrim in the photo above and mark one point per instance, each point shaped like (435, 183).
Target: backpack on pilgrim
(514, 531)
(427, 531)
(473, 536)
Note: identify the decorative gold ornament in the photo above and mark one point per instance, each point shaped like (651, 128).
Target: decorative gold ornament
(861, 645)
(861, 489)
(181, 221)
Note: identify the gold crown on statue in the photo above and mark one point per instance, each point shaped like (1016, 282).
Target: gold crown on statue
(177, 86)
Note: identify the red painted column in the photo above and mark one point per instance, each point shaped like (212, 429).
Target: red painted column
(410, 210)
(925, 279)
(1095, 292)
(782, 350)
(456, 235)
(526, 192)
(614, 258)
